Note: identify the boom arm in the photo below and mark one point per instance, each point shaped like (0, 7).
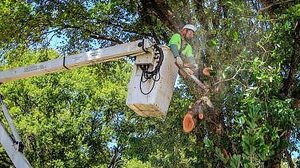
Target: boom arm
(13, 146)
(135, 48)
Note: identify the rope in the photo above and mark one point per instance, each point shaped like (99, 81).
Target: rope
(64, 63)
(152, 75)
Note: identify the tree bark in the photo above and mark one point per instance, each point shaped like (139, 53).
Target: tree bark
(200, 14)
(163, 12)
(289, 158)
(290, 81)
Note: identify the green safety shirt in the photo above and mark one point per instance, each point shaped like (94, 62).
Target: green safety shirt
(187, 50)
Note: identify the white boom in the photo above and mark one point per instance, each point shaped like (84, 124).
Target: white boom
(13, 147)
(17, 157)
(149, 92)
(92, 57)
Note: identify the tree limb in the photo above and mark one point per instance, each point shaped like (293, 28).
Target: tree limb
(201, 14)
(95, 35)
(232, 78)
(163, 11)
(290, 81)
(270, 4)
(289, 158)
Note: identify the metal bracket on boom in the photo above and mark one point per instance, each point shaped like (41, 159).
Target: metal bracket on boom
(142, 44)
(13, 146)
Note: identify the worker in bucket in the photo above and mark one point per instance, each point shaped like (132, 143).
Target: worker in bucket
(182, 49)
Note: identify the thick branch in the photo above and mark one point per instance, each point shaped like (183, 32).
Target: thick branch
(218, 15)
(95, 34)
(115, 159)
(289, 158)
(271, 6)
(290, 81)
(163, 11)
(201, 14)
(102, 37)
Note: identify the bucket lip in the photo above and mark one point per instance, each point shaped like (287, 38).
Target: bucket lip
(164, 46)
(162, 94)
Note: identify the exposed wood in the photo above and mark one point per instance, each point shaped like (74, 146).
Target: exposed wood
(189, 122)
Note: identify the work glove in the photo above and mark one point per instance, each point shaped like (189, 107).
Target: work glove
(179, 61)
(189, 71)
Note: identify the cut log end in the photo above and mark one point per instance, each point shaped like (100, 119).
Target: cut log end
(206, 71)
(188, 123)
(200, 116)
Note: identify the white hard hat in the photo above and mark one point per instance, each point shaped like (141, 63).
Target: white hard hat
(190, 26)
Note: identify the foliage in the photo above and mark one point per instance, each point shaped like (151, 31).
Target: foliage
(64, 118)
(78, 118)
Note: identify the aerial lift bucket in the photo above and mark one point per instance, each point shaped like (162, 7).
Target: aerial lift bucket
(152, 97)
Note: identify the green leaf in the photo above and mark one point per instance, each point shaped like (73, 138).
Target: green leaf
(235, 161)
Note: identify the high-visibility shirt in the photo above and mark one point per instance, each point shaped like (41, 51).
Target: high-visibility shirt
(187, 50)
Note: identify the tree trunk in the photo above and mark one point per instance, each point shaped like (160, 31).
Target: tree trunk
(163, 11)
(289, 84)
(289, 158)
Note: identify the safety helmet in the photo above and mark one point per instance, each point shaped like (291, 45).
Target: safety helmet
(190, 26)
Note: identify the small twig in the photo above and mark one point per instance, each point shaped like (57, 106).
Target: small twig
(261, 47)
(278, 3)
(241, 83)
(232, 78)
(94, 34)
